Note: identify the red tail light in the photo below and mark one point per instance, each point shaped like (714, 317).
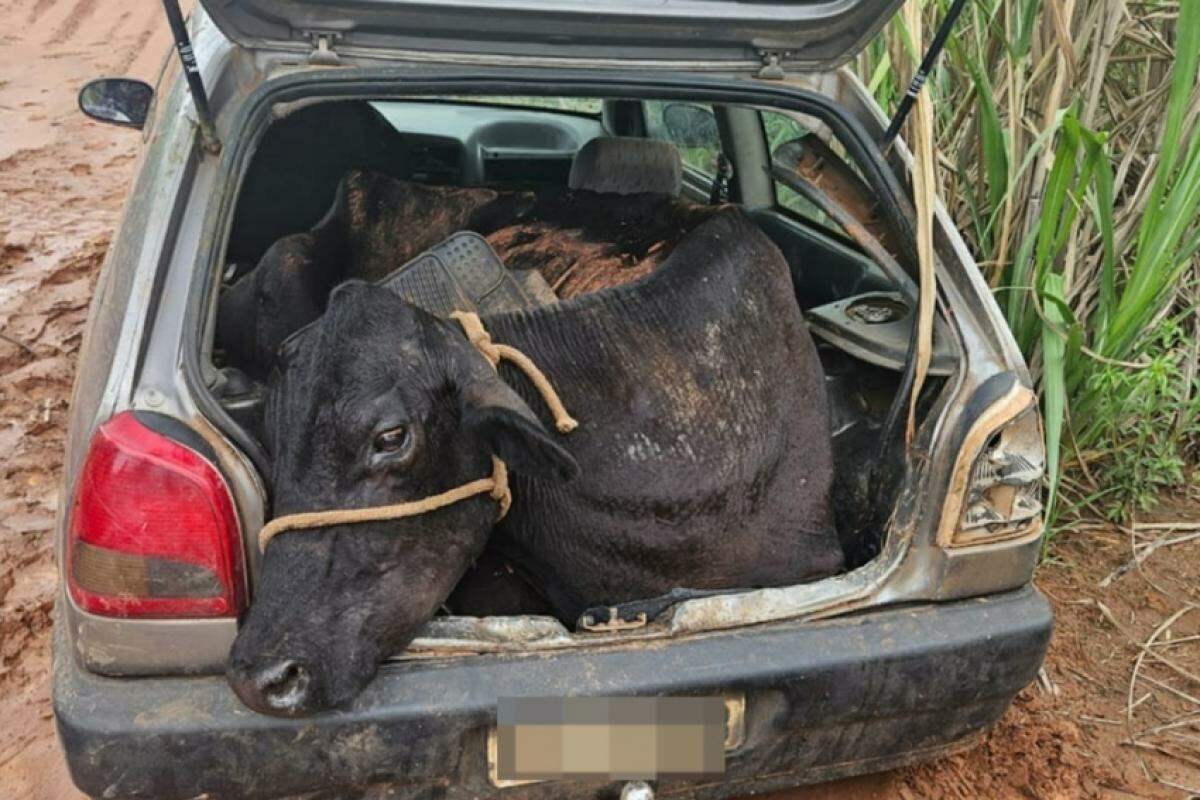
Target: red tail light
(153, 531)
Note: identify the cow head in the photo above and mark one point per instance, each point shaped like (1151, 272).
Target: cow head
(377, 403)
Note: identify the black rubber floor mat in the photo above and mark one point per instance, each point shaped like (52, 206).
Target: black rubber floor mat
(463, 273)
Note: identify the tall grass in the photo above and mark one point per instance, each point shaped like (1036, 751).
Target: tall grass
(1069, 152)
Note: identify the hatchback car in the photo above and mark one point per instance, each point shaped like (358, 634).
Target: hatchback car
(910, 653)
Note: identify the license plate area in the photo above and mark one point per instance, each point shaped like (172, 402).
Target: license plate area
(616, 738)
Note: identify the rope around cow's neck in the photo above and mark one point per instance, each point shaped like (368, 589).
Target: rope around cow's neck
(472, 326)
(495, 485)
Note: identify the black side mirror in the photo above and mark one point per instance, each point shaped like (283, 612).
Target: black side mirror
(691, 126)
(120, 101)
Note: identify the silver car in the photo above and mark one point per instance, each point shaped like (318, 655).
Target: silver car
(910, 653)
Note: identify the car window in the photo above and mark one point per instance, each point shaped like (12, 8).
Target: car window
(692, 127)
(576, 105)
(779, 130)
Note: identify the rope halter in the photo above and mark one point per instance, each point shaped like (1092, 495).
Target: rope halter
(495, 485)
(472, 326)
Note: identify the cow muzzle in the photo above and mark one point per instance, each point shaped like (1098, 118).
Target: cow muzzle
(278, 686)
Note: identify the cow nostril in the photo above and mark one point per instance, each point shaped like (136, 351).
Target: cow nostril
(283, 685)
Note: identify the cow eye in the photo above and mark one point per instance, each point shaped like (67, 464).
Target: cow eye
(392, 440)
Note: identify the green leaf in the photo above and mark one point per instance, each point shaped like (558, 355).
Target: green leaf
(1183, 80)
(991, 134)
(1054, 396)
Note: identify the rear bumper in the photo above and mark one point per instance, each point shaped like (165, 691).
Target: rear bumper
(823, 700)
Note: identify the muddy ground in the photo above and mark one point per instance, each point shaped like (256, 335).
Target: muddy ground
(1089, 728)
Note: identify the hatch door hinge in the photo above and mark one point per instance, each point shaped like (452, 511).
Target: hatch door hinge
(772, 64)
(322, 53)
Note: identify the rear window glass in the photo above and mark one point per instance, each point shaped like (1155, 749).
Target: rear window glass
(576, 105)
(779, 130)
(700, 157)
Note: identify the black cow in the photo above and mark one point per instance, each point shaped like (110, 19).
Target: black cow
(702, 459)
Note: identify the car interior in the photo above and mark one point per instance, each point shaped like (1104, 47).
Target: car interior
(690, 156)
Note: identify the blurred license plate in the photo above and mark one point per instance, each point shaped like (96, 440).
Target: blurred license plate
(613, 738)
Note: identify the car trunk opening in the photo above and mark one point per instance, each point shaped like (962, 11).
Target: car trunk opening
(527, 149)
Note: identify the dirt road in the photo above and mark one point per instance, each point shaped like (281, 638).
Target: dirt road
(62, 182)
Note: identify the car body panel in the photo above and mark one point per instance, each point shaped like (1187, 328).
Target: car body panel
(822, 700)
(911, 568)
(805, 34)
(128, 359)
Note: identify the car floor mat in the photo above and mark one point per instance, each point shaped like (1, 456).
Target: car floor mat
(463, 273)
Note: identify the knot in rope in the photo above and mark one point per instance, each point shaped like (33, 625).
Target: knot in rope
(478, 336)
(500, 491)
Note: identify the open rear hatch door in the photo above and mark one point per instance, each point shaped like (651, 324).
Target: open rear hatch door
(684, 34)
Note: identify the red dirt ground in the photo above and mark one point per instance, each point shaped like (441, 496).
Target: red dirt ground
(62, 181)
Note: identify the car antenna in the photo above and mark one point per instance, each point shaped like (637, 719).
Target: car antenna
(918, 79)
(191, 70)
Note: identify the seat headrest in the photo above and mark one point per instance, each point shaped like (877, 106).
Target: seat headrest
(627, 165)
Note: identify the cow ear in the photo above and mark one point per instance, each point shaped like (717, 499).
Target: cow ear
(495, 412)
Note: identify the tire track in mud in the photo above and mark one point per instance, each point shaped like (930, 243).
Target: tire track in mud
(79, 14)
(62, 179)
(147, 59)
(39, 8)
(119, 24)
(52, 17)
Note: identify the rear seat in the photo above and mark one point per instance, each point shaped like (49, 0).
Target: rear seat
(626, 165)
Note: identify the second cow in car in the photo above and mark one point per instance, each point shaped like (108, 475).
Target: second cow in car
(623, 201)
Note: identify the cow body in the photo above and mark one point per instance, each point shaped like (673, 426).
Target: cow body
(704, 445)
(703, 459)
